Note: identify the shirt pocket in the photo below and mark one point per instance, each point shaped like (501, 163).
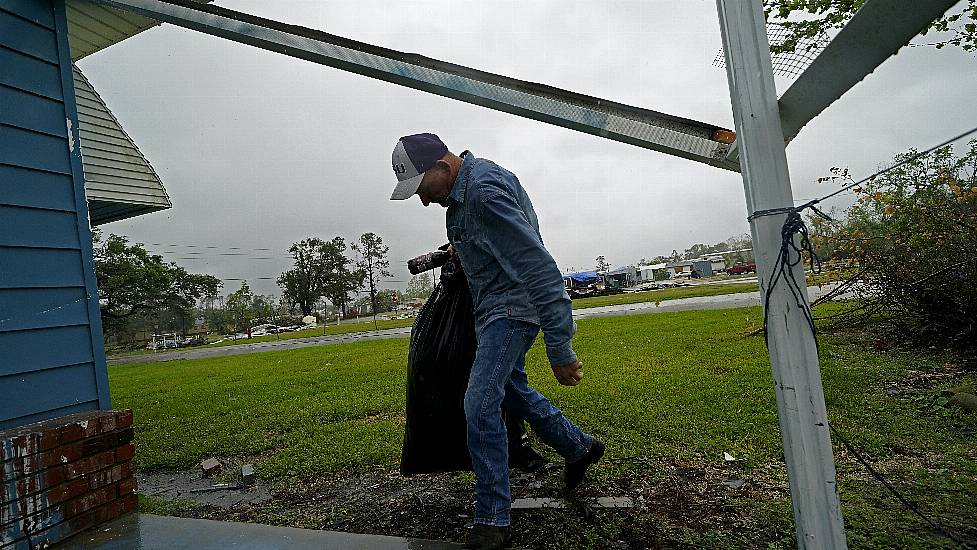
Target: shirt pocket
(456, 234)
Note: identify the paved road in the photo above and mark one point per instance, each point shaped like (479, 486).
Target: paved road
(726, 301)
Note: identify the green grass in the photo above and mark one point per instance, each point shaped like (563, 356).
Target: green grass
(328, 330)
(682, 386)
(365, 326)
(664, 294)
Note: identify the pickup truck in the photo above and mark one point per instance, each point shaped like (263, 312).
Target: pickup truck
(740, 269)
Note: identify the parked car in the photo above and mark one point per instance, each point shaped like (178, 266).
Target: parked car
(261, 330)
(741, 269)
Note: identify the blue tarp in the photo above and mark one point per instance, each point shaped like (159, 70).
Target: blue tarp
(583, 277)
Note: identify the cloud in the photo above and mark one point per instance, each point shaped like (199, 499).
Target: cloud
(259, 150)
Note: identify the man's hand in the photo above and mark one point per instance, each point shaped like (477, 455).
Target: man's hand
(569, 374)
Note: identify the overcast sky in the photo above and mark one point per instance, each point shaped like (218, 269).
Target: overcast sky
(258, 150)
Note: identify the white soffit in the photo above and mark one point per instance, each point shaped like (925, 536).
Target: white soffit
(119, 181)
(93, 27)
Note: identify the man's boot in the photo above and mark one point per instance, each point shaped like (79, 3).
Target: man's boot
(574, 471)
(487, 537)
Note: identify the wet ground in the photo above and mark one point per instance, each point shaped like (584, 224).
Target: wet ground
(640, 505)
(149, 532)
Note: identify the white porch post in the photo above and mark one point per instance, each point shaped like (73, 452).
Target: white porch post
(793, 351)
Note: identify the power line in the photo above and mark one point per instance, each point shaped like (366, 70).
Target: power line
(792, 254)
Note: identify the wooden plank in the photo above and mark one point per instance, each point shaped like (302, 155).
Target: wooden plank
(29, 38)
(26, 187)
(42, 391)
(20, 226)
(30, 74)
(33, 150)
(34, 308)
(36, 12)
(24, 110)
(39, 267)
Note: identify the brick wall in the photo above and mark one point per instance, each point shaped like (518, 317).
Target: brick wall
(63, 476)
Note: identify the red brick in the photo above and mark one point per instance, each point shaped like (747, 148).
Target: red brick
(89, 500)
(127, 486)
(50, 438)
(130, 502)
(88, 465)
(125, 453)
(109, 511)
(126, 469)
(62, 455)
(54, 476)
(107, 423)
(72, 432)
(68, 491)
(105, 477)
(126, 435)
(123, 419)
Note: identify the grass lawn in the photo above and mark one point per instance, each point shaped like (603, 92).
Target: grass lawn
(664, 294)
(364, 326)
(668, 392)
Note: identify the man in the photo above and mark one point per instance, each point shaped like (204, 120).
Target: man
(517, 290)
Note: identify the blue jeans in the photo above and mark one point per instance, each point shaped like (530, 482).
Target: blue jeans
(499, 377)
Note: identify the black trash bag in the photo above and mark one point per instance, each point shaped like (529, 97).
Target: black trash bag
(442, 350)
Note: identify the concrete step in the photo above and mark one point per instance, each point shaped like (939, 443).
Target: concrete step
(149, 532)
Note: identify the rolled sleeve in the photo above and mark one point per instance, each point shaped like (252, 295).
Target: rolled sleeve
(517, 246)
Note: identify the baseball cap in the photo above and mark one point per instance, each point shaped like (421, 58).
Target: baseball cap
(414, 155)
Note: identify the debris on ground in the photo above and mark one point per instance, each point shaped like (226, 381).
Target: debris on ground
(211, 467)
(247, 475)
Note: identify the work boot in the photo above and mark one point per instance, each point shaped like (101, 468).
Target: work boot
(574, 471)
(487, 537)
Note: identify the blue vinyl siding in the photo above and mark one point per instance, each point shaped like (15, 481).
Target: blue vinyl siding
(24, 72)
(52, 361)
(23, 110)
(33, 39)
(39, 267)
(54, 307)
(26, 187)
(39, 13)
(32, 149)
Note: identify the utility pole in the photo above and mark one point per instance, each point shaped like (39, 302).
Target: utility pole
(792, 346)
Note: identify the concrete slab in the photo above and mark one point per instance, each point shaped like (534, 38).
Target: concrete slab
(546, 502)
(149, 532)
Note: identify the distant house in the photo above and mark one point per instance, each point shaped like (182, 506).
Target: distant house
(678, 269)
(622, 277)
(583, 283)
(653, 272)
(718, 263)
(702, 268)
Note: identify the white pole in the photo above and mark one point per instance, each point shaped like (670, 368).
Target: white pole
(793, 350)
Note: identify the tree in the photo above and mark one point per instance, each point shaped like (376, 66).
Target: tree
(133, 282)
(344, 278)
(321, 271)
(373, 262)
(241, 306)
(388, 300)
(835, 14)
(602, 264)
(420, 286)
(304, 284)
(911, 237)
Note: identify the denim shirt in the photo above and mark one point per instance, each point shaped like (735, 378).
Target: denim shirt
(493, 227)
